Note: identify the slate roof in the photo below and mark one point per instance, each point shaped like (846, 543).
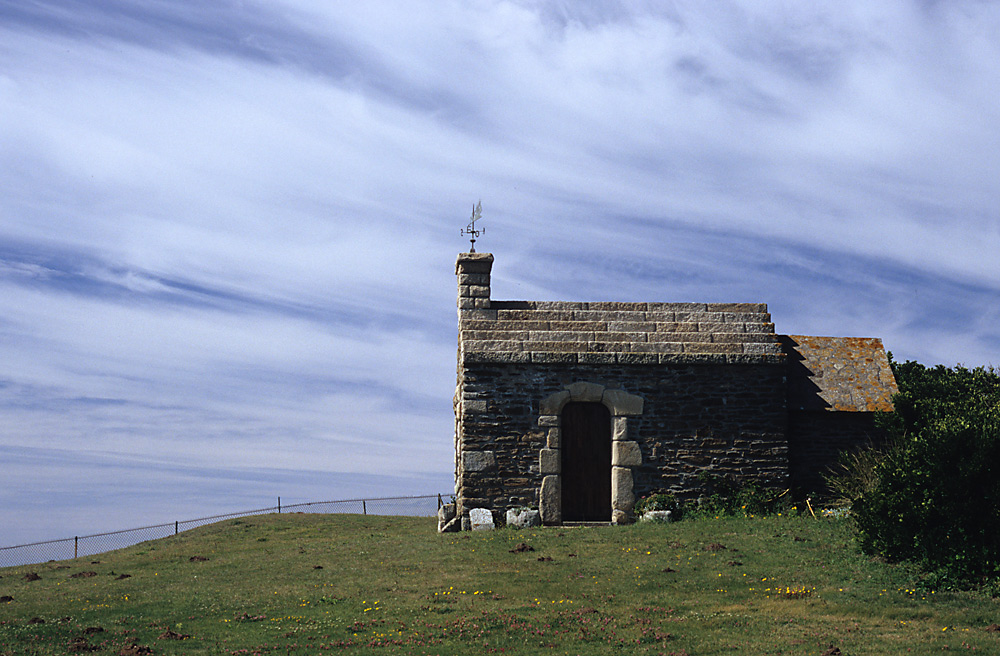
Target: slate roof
(838, 374)
(631, 333)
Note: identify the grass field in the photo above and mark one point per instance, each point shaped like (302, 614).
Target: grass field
(309, 584)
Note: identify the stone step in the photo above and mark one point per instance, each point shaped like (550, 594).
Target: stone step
(516, 346)
(530, 338)
(632, 316)
(761, 325)
(630, 307)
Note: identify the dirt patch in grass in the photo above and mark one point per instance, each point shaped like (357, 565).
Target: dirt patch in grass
(82, 575)
(170, 634)
(80, 645)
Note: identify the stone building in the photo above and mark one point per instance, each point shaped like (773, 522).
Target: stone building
(579, 409)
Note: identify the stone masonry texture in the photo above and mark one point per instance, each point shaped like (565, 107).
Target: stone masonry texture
(729, 420)
(698, 387)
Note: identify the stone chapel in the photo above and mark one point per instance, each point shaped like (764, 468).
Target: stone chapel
(579, 409)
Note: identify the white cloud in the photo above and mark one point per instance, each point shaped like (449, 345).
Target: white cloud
(236, 228)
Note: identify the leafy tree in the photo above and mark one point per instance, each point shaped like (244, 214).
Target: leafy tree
(935, 494)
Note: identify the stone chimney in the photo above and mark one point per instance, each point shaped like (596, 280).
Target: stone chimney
(473, 271)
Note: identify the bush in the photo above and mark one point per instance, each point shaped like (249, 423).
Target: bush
(728, 496)
(935, 499)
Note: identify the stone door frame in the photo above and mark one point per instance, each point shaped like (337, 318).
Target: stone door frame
(625, 454)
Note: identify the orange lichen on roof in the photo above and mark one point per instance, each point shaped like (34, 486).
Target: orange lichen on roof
(849, 374)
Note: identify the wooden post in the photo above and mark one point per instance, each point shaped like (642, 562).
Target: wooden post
(176, 527)
(364, 508)
(76, 546)
(279, 505)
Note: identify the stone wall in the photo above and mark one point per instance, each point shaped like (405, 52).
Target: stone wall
(728, 419)
(691, 388)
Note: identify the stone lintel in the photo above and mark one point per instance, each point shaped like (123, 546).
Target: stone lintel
(552, 404)
(585, 391)
(622, 404)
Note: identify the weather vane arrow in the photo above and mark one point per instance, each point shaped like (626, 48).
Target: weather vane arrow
(471, 230)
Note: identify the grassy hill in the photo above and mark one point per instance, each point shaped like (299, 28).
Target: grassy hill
(308, 584)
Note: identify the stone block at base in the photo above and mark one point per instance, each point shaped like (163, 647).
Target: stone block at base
(481, 519)
(662, 516)
(550, 500)
(622, 495)
(523, 518)
(446, 514)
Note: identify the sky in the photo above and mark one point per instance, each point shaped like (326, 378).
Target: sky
(228, 229)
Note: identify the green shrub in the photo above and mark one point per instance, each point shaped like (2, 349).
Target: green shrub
(723, 495)
(935, 497)
(659, 501)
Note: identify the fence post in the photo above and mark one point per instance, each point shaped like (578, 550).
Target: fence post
(176, 527)
(364, 508)
(279, 505)
(76, 545)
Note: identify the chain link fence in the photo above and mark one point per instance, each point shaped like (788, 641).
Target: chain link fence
(89, 545)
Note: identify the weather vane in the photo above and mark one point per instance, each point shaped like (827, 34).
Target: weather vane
(471, 229)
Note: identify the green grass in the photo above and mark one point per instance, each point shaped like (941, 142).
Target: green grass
(307, 584)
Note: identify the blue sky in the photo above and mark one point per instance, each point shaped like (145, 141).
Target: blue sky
(228, 229)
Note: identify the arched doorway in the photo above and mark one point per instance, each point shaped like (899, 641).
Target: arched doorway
(586, 462)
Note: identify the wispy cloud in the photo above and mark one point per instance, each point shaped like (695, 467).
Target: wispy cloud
(228, 230)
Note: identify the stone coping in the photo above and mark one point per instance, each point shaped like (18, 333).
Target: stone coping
(612, 332)
(551, 357)
(630, 307)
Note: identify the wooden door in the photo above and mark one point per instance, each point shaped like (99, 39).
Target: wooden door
(586, 462)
